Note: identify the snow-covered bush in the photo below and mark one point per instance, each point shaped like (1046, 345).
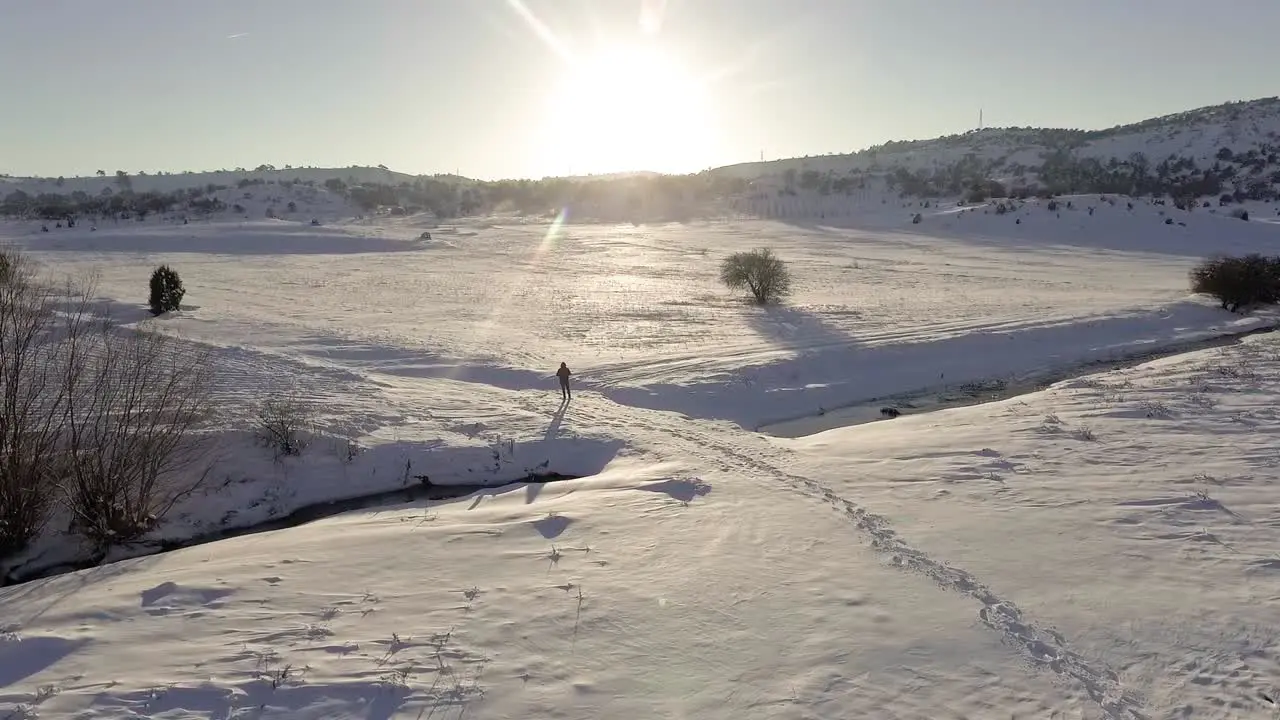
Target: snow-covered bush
(166, 290)
(1238, 282)
(759, 271)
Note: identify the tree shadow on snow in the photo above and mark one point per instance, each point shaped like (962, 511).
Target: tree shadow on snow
(117, 312)
(794, 328)
(23, 658)
(373, 699)
(682, 490)
(844, 372)
(419, 364)
(18, 601)
(552, 526)
(176, 594)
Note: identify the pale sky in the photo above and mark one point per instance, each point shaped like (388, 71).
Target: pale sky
(500, 88)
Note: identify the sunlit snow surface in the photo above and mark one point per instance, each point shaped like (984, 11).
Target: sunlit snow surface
(1105, 548)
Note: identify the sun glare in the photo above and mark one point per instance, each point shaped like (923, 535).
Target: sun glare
(628, 108)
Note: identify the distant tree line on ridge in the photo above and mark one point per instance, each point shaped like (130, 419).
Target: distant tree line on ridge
(651, 196)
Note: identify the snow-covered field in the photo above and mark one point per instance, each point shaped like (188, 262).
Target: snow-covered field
(882, 308)
(1105, 548)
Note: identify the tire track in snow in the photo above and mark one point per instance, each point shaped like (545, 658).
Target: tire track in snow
(1044, 647)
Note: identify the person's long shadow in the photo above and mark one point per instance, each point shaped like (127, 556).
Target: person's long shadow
(554, 429)
(533, 489)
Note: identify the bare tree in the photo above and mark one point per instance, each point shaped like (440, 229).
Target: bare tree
(33, 404)
(98, 416)
(136, 396)
(283, 424)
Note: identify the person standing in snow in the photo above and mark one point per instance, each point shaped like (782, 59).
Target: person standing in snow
(563, 373)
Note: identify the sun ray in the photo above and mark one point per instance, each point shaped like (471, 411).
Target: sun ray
(652, 13)
(545, 33)
(553, 233)
(493, 325)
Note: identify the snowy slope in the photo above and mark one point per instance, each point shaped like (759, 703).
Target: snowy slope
(1198, 134)
(864, 572)
(1141, 505)
(636, 593)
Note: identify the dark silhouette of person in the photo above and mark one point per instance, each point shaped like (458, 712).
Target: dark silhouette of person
(563, 373)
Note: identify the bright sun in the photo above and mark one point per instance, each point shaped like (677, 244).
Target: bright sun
(628, 108)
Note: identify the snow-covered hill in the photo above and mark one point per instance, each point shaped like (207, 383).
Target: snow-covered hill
(1230, 150)
(1226, 148)
(1198, 134)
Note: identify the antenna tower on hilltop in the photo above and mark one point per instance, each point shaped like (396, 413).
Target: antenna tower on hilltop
(979, 118)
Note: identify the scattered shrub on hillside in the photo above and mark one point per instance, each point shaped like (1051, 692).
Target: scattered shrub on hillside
(1240, 214)
(1238, 282)
(166, 291)
(759, 271)
(1052, 206)
(292, 206)
(282, 424)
